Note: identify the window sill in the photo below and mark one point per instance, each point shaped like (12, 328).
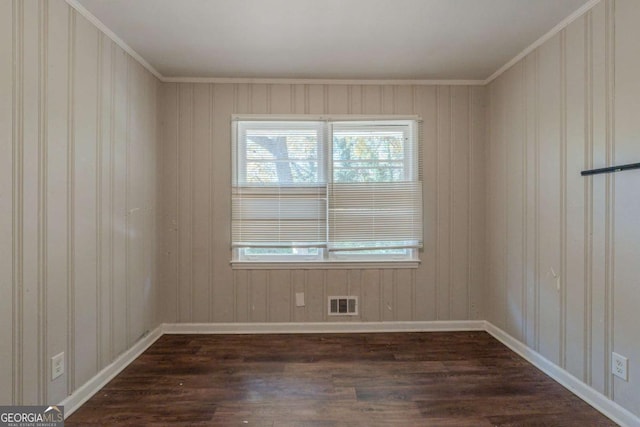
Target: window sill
(323, 265)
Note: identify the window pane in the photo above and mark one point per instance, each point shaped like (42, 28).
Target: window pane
(375, 155)
(282, 156)
(281, 172)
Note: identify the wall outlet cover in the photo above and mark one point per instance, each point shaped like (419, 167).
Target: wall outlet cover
(620, 366)
(299, 299)
(57, 366)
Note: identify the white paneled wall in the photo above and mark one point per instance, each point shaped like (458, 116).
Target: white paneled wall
(197, 281)
(77, 200)
(562, 271)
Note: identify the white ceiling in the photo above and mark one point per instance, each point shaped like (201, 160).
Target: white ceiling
(330, 39)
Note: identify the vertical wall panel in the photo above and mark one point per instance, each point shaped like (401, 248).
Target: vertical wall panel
(388, 309)
(497, 221)
(514, 175)
(490, 188)
(241, 280)
(574, 221)
(280, 98)
(29, 186)
(477, 196)
(337, 99)
(530, 80)
(354, 288)
(425, 105)
(298, 283)
(404, 295)
(260, 102)
(133, 208)
(243, 97)
(224, 290)
(403, 102)
(105, 191)
(280, 296)
(7, 272)
(57, 162)
(444, 198)
(299, 99)
(316, 99)
(169, 183)
(85, 114)
(460, 210)
(152, 160)
(388, 99)
(315, 292)
(626, 292)
(355, 99)
(119, 204)
(596, 372)
(138, 210)
(201, 201)
(370, 296)
(185, 200)
(258, 295)
(372, 99)
(549, 179)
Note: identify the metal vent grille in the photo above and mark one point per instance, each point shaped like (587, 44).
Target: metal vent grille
(343, 306)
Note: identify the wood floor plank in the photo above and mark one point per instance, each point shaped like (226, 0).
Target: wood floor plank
(320, 380)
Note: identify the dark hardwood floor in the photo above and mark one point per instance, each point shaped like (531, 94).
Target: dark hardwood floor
(405, 379)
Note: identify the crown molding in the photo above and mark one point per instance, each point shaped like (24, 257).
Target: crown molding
(117, 40)
(249, 80)
(552, 32)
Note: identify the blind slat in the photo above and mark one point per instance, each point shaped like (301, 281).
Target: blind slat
(384, 213)
(279, 218)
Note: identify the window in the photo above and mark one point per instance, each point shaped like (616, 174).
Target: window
(326, 191)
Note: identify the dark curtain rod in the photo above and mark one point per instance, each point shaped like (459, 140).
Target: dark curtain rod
(611, 169)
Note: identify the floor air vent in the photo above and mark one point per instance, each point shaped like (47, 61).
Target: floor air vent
(343, 306)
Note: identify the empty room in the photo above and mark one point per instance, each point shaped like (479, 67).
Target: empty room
(320, 212)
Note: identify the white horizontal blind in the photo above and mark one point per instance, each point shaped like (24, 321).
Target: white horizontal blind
(367, 216)
(375, 198)
(279, 191)
(279, 217)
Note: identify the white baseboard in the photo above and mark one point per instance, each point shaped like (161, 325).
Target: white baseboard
(321, 327)
(73, 402)
(590, 395)
(594, 398)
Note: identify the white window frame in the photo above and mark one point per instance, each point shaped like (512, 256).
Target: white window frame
(410, 171)
(325, 258)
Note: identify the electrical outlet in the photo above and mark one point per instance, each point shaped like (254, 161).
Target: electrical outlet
(57, 366)
(299, 299)
(619, 366)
